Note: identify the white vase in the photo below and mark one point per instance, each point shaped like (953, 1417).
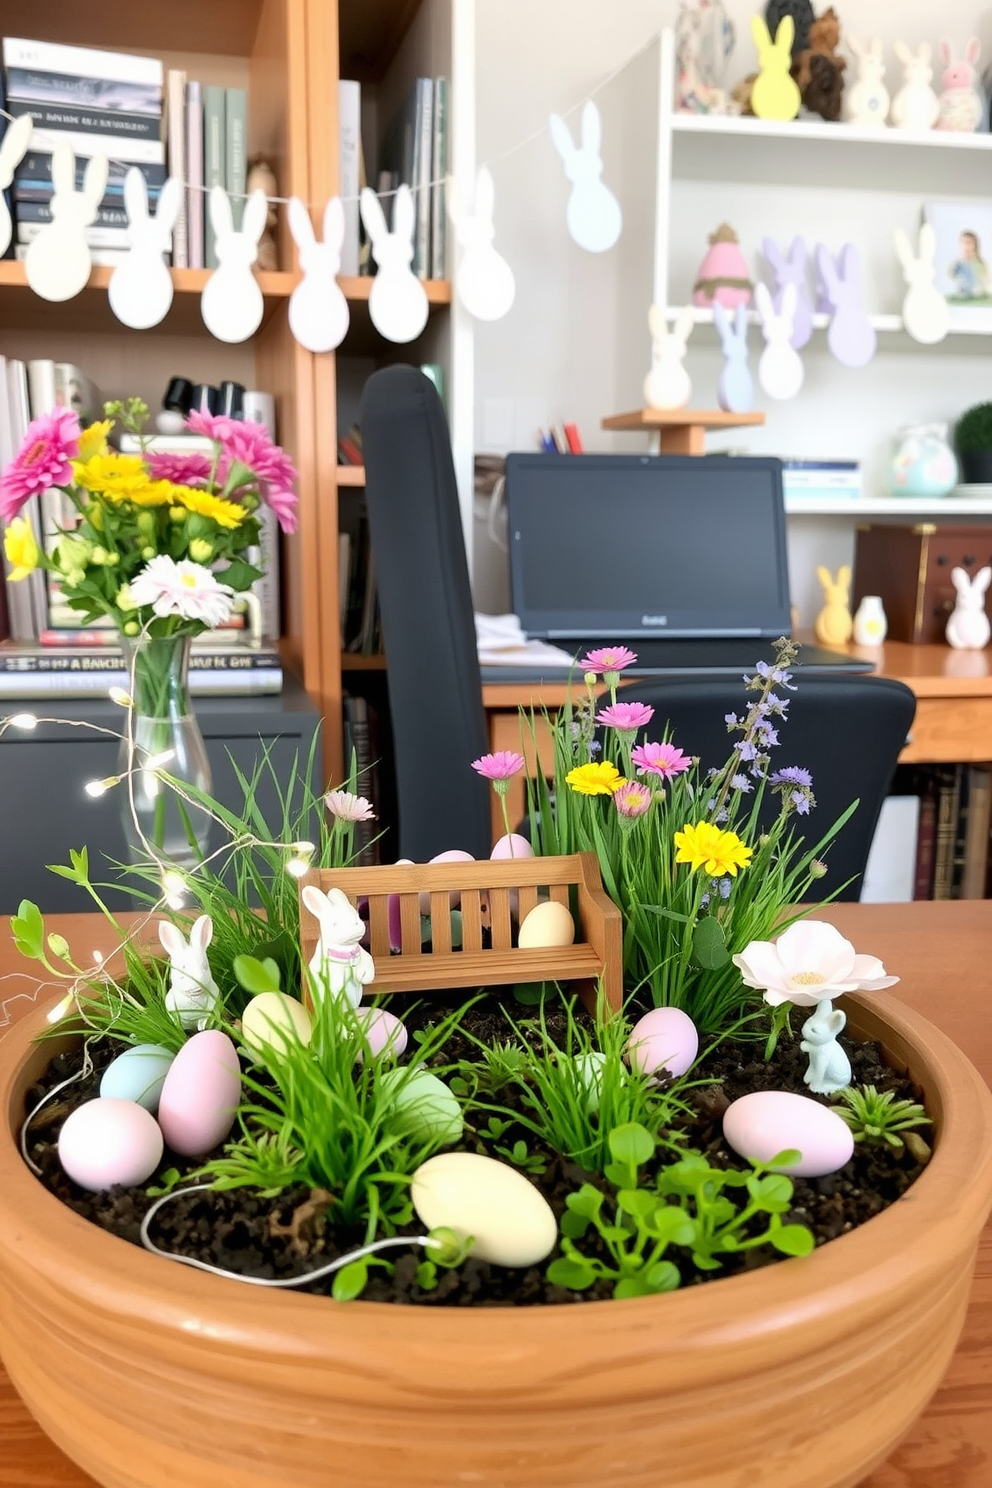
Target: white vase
(870, 624)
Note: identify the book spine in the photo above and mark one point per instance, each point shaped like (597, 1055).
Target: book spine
(119, 147)
(214, 146)
(962, 807)
(925, 840)
(209, 682)
(236, 150)
(947, 811)
(349, 147)
(112, 199)
(41, 211)
(195, 200)
(107, 257)
(976, 849)
(76, 61)
(42, 661)
(5, 195)
(348, 451)
(78, 90)
(574, 439)
(63, 117)
(176, 134)
(95, 237)
(422, 142)
(439, 171)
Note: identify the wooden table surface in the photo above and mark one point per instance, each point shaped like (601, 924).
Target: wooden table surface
(943, 953)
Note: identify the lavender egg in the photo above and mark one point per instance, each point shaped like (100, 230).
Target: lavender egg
(767, 1122)
(201, 1093)
(664, 1041)
(108, 1141)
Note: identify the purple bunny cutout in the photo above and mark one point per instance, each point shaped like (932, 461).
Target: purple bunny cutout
(791, 270)
(851, 336)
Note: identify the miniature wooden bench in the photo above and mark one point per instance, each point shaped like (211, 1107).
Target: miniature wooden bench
(484, 889)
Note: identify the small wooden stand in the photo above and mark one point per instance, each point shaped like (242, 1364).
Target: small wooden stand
(484, 890)
(680, 431)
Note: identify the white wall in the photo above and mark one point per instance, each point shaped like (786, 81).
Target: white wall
(553, 356)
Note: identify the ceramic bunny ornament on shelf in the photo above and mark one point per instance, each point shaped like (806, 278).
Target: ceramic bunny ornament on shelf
(593, 214)
(829, 1068)
(484, 282)
(398, 302)
(668, 384)
(961, 102)
(140, 289)
(318, 311)
(193, 994)
(834, 622)
(58, 262)
(851, 335)
(735, 390)
(13, 148)
(867, 102)
(340, 966)
(774, 94)
(231, 304)
(916, 105)
(968, 628)
(791, 269)
(925, 312)
(780, 368)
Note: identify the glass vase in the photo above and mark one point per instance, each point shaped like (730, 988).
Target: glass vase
(162, 739)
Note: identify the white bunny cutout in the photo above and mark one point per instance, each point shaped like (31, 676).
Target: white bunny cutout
(13, 148)
(58, 262)
(484, 281)
(231, 304)
(968, 628)
(925, 312)
(593, 215)
(193, 994)
(140, 289)
(340, 966)
(318, 311)
(398, 301)
(780, 369)
(668, 384)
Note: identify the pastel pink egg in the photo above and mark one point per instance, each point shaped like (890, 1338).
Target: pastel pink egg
(383, 1028)
(664, 1040)
(766, 1122)
(511, 845)
(108, 1141)
(201, 1093)
(453, 855)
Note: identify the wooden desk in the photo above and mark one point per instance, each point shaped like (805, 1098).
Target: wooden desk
(953, 710)
(941, 952)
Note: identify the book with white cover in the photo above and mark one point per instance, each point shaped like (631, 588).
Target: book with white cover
(51, 56)
(195, 198)
(114, 146)
(349, 147)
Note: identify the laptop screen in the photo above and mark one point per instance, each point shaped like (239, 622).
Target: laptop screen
(627, 546)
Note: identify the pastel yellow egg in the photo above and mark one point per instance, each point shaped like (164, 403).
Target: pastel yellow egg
(272, 1018)
(510, 1223)
(548, 924)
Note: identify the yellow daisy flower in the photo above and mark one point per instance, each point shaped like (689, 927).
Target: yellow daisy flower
(224, 513)
(717, 853)
(113, 475)
(600, 779)
(93, 441)
(21, 548)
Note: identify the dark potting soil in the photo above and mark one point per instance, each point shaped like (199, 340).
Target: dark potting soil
(254, 1236)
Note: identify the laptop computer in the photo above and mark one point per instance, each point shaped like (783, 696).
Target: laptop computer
(680, 558)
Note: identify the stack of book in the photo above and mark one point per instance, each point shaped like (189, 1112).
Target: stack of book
(207, 136)
(819, 478)
(952, 858)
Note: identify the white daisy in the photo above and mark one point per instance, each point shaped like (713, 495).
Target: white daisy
(185, 588)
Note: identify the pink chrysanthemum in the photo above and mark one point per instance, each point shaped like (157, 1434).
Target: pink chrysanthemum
(348, 807)
(499, 766)
(632, 800)
(626, 716)
(663, 760)
(42, 461)
(248, 444)
(181, 470)
(608, 659)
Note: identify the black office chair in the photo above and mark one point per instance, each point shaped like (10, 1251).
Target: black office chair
(428, 626)
(846, 730)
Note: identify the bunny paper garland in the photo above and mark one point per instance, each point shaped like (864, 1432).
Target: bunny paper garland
(780, 368)
(13, 148)
(398, 301)
(851, 335)
(58, 262)
(593, 214)
(735, 390)
(140, 289)
(484, 282)
(791, 269)
(668, 384)
(925, 312)
(231, 303)
(318, 311)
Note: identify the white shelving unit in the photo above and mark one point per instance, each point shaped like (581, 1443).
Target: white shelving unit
(907, 508)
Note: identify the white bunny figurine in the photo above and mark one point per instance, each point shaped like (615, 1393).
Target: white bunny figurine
(57, 263)
(318, 311)
(780, 369)
(916, 105)
(867, 101)
(593, 214)
(140, 289)
(735, 390)
(668, 384)
(484, 282)
(968, 626)
(231, 303)
(398, 301)
(961, 101)
(829, 1068)
(925, 312)
(193, 994)
(340, 965)
(13, 148)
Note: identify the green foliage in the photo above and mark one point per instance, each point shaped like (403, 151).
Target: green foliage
(875, 1116)
(256, 976)
(719, 1227)
(973, 430)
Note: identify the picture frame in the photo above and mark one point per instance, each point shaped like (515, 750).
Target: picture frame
(963, 260)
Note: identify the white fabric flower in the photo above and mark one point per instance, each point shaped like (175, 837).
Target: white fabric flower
(348, 807)
(809, 962)
(185, 588)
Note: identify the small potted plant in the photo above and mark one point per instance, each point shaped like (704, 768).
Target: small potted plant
(973, 438)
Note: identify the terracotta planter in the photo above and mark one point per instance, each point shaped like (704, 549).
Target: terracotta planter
(806, 1373)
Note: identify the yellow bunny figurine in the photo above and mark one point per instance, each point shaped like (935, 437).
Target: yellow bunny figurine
(775, 94)
(833, 623)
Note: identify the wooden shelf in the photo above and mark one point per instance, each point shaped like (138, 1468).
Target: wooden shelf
(357, 290)
(802, 131)
(681, 431)
(355, 661)
(351, 475)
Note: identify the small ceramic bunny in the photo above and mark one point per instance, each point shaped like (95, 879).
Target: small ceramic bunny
(398, 301)
(916, 105)
(668, 384)
(231, 303)
(593, 214)
(851, 335)
(140, 289)
(484, 281)
(867, 102)
(780, 368)
(57, 263)
(340, 966)
(961, 103)
(791, 269)
(13, 148)
(318, 310)
(193, 994)
(735, 390)
(829, 1068)
(968, 628)
(834, 623)
(925, 312)
(775, 94)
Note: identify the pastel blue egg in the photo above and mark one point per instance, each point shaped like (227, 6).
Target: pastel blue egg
(138, 1075)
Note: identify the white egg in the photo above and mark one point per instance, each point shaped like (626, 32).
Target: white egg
(272, 1018)
(767, 1122)
(510, 1223)
(138, 1075)
(548, 924)
(664, 1040)
(425, 1107)
(108, 1141)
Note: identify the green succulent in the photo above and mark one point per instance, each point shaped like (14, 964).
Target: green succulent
(875, 1116)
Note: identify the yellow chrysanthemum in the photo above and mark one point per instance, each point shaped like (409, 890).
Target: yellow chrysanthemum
(717, 853)
(600, 779)
(93, 441)
(116, 476)
(224, 513)
(21, 549)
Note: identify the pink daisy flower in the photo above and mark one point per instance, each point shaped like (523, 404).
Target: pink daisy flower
(499, 766)
(348, 807)
(659, 759)
(248, 444)
(42, 461)
(182, 470)
(632, 799)
(608, 659)
(626, 716)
